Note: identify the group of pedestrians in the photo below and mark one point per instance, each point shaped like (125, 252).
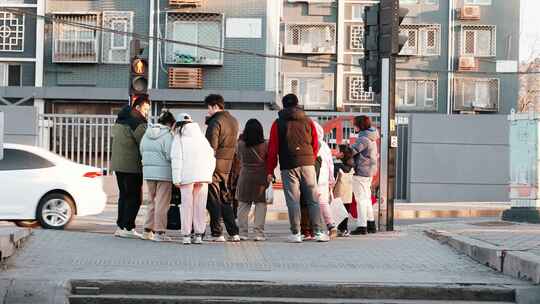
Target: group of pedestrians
(174, 152)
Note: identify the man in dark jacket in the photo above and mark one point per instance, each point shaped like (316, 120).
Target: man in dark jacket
(294, 138)
(222, 133)
(127, 133)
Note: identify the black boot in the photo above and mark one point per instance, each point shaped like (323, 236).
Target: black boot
(371, 227)
(359, 231)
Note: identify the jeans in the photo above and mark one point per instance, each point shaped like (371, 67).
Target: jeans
(219, 208)
(296, 182)
(130, 199)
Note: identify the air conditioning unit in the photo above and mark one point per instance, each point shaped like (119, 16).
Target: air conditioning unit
(185, 78)
(467, 64)
(469, 12)
(184, 3)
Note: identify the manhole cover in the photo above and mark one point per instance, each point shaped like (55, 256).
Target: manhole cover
(493, 224)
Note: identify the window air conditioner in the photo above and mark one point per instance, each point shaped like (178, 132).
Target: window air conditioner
(470, 12)
(467, 64)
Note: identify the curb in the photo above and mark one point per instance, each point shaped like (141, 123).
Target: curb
(515, 263)
(11, 239)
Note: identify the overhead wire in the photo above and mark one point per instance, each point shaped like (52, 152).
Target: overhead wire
(231, 51)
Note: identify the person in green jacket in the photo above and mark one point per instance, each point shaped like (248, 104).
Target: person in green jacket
(127, 134)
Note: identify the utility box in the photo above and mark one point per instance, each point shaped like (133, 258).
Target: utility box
(524, 173)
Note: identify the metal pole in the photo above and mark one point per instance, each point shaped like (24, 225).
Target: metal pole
(383, 183)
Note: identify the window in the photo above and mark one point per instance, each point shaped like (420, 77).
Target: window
(477, 2)
(11, 32)
(315, 91)
(478, 40)
(481, 94)
(431, 2)
(194, 28)
(116, 45)
(418, 94)
(310, 38)
(424, 39)
(22, 160)
(357, 12)
(356, 37)
(10, 75)
(74, 43)
(357, 91)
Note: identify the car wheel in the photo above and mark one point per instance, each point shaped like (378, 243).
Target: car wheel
(55, 211)
(27, 224)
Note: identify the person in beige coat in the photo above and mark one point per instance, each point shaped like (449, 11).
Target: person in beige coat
(252, 181)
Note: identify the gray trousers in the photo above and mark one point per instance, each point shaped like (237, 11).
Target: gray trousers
(243, 218)
(301, 181)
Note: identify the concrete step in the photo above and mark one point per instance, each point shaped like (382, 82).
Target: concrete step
(148, 299)
(105, 291)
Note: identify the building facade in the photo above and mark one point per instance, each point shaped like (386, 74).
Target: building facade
(461, 55)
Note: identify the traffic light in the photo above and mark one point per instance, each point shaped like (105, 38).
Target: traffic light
(391, 16)
(138, 76)
(371, 59)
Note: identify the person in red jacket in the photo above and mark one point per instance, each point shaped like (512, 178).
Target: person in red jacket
(293, 139)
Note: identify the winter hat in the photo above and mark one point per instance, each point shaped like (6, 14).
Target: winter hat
(184, 117)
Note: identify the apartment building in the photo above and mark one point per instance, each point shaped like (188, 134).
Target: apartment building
(69, 69)
(461, 56)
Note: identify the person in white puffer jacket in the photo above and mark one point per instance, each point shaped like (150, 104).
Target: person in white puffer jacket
(193, 164)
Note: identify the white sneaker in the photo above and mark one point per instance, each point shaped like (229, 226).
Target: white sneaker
(197, 240)
(259, 239)
(148, 235)
(244, 238)
(130, 234)
(161, 237)
(217, 239)
(118, 232)
(321, 237)
(186, 240)
(236, 238)
(294, 238)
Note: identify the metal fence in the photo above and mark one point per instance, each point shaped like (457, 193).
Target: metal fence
(87, 139)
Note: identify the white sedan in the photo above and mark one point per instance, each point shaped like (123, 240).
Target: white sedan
(38, 187)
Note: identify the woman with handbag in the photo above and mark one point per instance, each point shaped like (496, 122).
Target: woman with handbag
(156, 160)
(193, 165)
(252, 181)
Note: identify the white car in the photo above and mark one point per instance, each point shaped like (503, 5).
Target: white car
(38, 187)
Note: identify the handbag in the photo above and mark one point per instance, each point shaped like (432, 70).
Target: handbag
(339, 212)
(173, 215)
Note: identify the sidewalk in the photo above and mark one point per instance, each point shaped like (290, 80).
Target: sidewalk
(11, 239)
(510, 248)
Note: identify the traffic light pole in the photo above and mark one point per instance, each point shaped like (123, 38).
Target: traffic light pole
(388, 144)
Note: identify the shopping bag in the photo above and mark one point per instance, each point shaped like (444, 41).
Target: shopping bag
(269, 194)
(339, 212)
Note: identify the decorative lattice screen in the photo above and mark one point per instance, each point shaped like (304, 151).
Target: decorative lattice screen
(72, 43)
(195, 28)
(11, 32)
(356, 37)
(310, 38)
(356, 90)
(115, 46)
